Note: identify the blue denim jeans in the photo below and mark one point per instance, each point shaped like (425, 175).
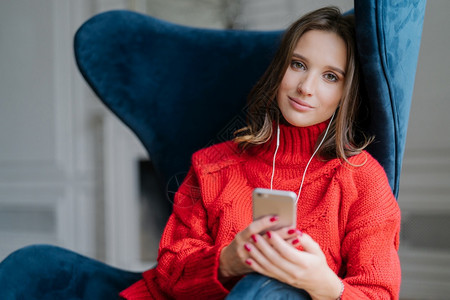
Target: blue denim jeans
(257, 286)
(48, 272)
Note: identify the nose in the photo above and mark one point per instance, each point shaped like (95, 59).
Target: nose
(306, 85)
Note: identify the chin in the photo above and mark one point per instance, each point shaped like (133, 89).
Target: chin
(296, 121)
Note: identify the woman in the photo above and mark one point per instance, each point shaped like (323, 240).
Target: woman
(301, 136)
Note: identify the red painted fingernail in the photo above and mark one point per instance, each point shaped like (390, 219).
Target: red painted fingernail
(254, 238)
(247, 247)
(291, 231)
(295, 241)
(274, 219)
(248, 262)
(269, 235)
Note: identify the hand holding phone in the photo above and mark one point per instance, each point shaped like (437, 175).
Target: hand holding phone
(275, 202)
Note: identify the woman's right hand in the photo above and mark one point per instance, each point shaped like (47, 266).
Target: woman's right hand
(233, 257)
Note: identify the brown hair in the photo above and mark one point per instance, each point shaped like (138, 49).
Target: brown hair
(262, 105)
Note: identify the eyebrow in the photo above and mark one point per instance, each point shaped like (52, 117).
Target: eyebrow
(330, 67)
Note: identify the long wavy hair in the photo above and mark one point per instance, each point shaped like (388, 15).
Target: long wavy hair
(344, 138)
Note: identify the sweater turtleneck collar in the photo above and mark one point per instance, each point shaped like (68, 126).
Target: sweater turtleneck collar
(296, 144)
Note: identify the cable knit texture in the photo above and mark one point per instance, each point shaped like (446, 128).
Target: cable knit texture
(348, 209)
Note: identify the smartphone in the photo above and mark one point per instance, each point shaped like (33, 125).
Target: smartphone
(275, 202)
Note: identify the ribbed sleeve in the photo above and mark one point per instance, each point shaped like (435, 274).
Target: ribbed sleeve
(138, 291)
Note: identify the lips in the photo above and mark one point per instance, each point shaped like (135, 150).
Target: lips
(300, 104)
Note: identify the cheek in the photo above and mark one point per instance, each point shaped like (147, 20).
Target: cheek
(289, 81)
(332, 98)
(283, 86)
(278, 96)
(282, 91)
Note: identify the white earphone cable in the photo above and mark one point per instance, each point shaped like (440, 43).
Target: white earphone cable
(307, 165)
(312, 156)
(275, 155)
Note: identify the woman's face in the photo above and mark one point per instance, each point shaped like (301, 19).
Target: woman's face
(313, 83)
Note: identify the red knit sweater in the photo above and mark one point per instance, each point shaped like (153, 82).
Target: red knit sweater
(349, 210)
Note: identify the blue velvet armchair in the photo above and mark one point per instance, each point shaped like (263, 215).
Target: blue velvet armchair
(180, 89)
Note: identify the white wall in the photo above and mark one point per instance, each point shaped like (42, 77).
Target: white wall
(273, 14)
(46, 153)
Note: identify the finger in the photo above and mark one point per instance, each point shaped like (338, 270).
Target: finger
(294, 242)
(254, 266)
(265, 260)
(288, 232)
(259, 225)
(309, 245)
(254, 251)
(247, 264)
(266, 248)
(265, 252)
(280, 276)
(287, 249)
(292, 239)
(282, 265)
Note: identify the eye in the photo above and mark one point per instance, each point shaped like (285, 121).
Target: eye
(331, 77)
(297, 65)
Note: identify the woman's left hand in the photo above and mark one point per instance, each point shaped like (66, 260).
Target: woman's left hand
(308, 269)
